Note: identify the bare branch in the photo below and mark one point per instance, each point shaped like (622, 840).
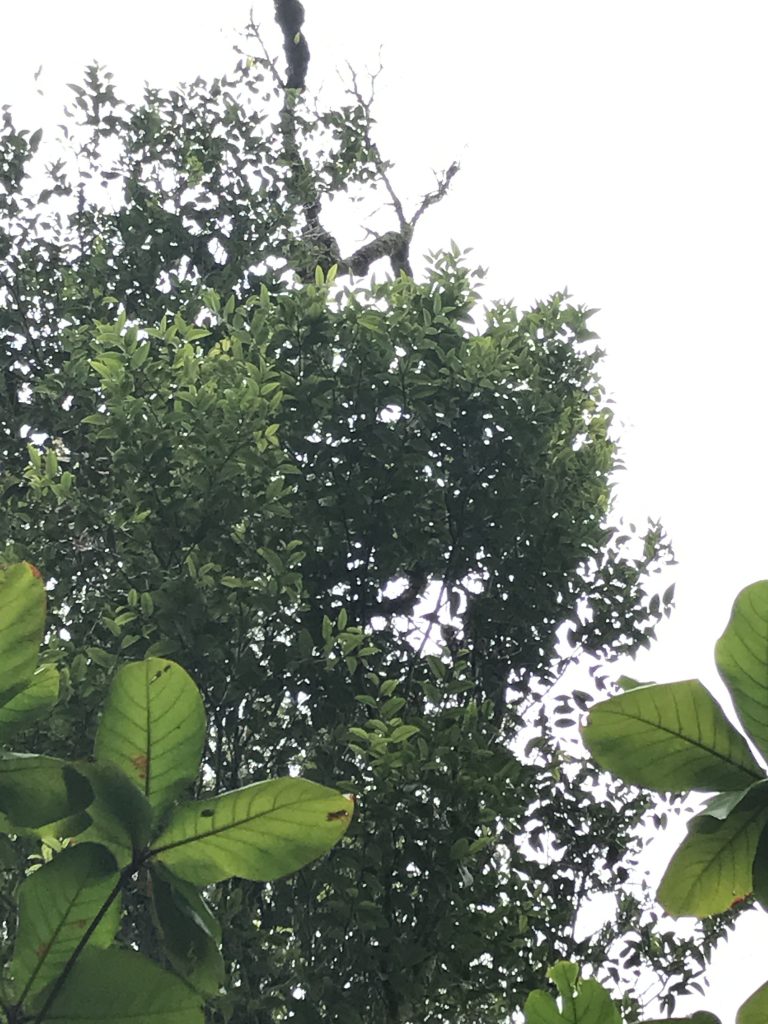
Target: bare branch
(436, 194)
(266, 58)
(394, 245)
(289, 15)
(381, 165)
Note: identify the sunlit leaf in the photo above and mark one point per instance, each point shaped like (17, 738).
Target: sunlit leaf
(670, 737)
(712, 867)
(57, 904)
(582, 1002)
(22, 622)
(741, 654)
(261, 832)
(755, 1009)
(153, 728)
(118, 986)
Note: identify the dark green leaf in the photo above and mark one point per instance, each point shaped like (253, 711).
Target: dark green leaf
(36, 790)
(119, 815)
(741, 654)
(190, 933)
(699, 1017)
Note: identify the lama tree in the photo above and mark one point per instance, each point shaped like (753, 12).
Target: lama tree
(358, 508)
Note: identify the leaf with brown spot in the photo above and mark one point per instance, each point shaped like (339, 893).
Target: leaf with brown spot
(140, 762)
(153, 729)
(260, 832)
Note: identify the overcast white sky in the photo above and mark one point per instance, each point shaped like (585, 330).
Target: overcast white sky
(615, 148)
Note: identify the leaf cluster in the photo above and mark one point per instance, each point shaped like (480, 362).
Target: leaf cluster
(585, 1001)
(120, 818)
(675, 737)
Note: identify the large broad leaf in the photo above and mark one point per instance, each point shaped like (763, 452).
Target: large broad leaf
(583, 1002)
(755, 1010)
(118, 986)
(712, 867)
(61, 829)
(699, 1017)
(36, 790)
(57, 904)
(261, 832)
(153, 729)
(119, 817)
(29, 703)
(670, 737)
(760, 870)
(741, 654)
(22, 622)
(191, 934)
(541, 1008)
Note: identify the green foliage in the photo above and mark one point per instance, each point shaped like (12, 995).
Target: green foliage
(712, 868)
(581, 1001)
(24, 692)
(37, 790)
(22, 620)
(191, 934)
(148, 751)
(676, 737)
(586, 1002)
(361, 516)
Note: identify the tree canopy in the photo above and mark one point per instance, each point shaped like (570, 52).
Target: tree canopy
(370, 516)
